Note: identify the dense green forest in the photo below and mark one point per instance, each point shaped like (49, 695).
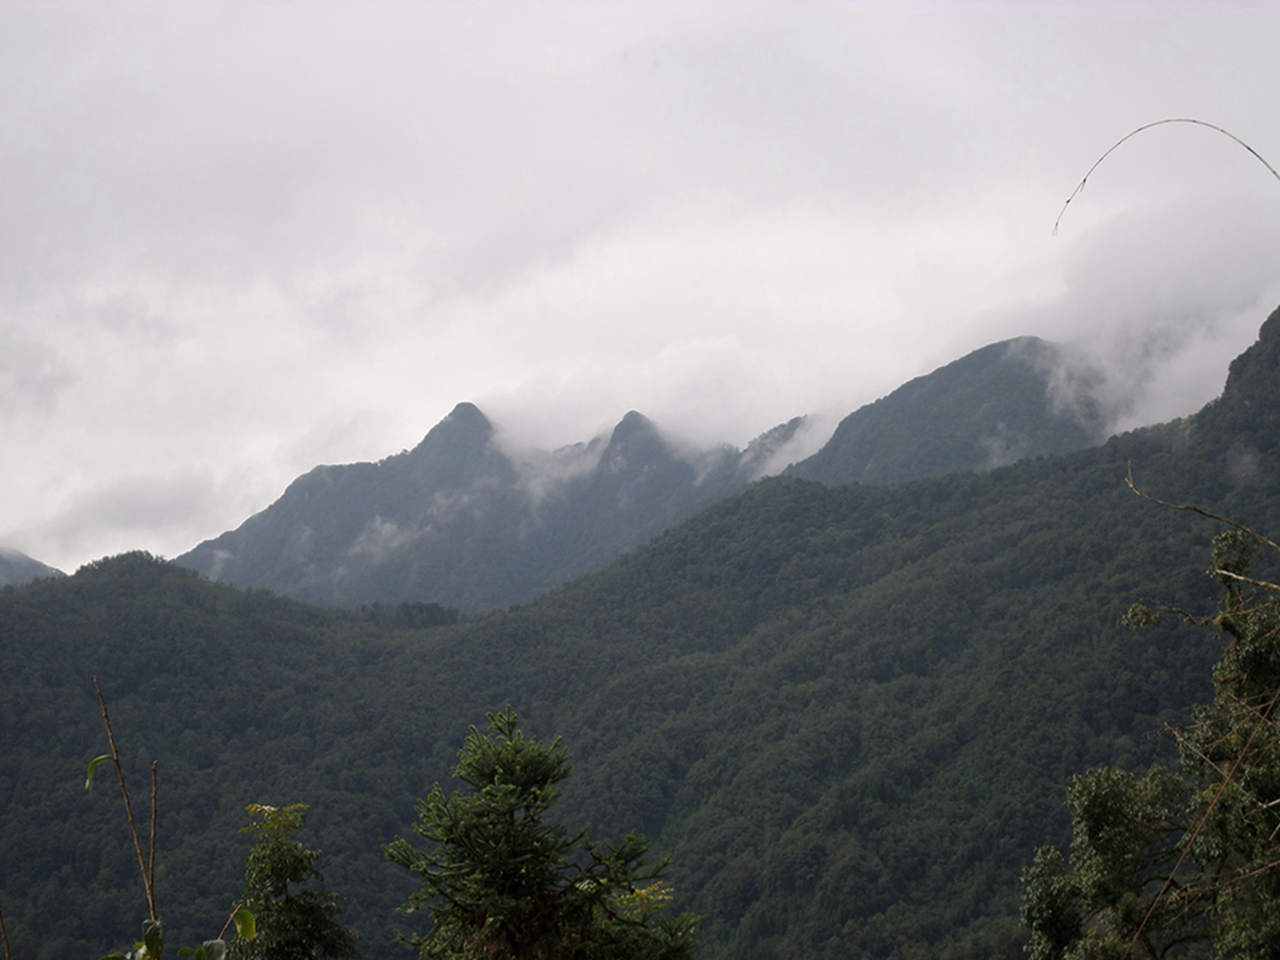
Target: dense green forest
(849, 714)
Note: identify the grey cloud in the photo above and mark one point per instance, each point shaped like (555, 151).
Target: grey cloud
(33, 375)
(1158, 300)
(269, 236)
(543, 474)
(126, 512)
(381, 538)
(220, 558)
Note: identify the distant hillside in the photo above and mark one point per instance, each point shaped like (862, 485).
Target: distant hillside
(460, 521)
(17, 568)
(1005, 402)
(848, 713)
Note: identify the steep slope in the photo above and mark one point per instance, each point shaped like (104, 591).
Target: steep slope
(16, 568)
(459, 521)
(1005, 402)
(848, 713)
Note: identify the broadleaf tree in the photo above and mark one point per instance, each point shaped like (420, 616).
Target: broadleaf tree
(501, 880)
(1182, 863)
(296, 918)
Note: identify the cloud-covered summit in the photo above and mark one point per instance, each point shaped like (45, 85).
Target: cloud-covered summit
(463, 520)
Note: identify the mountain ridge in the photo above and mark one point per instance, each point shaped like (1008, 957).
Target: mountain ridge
(459, 520)
(462, 521)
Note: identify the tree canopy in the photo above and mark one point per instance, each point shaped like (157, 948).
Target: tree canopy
(500, 880)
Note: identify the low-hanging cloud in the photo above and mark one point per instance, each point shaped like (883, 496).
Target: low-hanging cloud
(1157, 301)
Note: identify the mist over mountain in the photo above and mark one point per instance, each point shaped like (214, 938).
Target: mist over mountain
(470, 520)
(1008, 401)
(464, 521)
(16, 568)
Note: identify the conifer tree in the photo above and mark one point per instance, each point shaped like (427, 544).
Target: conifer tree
(500, 881)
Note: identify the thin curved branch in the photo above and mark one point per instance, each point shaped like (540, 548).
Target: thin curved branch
(1219, 572)
(1148, 126)
(1191, 507)
(128, 805)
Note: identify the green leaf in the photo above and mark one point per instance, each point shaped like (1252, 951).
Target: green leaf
(93, 765)
(153, 938)
(214, 950)
(246, 923)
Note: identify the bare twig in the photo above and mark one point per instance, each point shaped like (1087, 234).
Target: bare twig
(4, 934)
(1191, 507)
(128, 806)
(230, 918)
(1148, 126)
(155, 815)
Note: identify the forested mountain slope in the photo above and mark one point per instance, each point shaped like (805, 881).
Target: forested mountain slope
(850, 714)
(1005, 402)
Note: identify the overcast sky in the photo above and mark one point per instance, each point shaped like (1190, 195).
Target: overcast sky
(240, 239)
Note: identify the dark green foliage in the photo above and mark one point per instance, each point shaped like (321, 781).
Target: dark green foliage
(294, 921)
(411, 616)
(500, 880)
(1185, 863)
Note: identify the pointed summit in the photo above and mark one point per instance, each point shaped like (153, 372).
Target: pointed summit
(458, 450)
(464, 421)
(467, 412)
(635, 442)
(455, 445)
(632, 425)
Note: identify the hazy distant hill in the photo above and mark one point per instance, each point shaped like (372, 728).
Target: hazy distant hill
(17, 568)
(460, 521)
(848, 713)
(1005, 402)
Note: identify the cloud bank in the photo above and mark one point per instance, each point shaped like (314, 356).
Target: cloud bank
(239, 240)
